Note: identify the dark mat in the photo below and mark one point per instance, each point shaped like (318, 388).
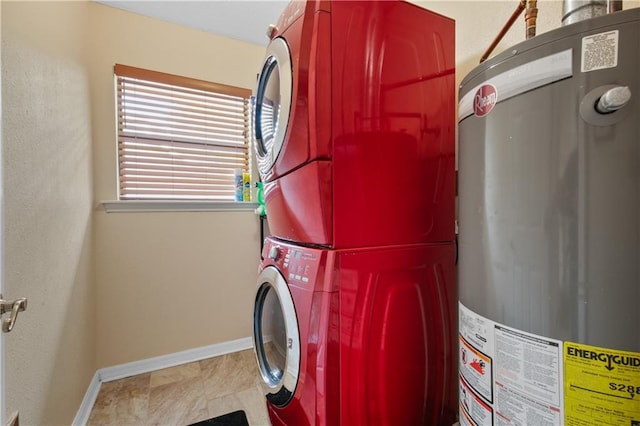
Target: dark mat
(237, 418)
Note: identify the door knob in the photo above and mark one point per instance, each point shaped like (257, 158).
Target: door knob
(14, 307)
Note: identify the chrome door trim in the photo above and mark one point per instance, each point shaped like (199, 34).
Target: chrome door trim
(277, 54)
(278, 392)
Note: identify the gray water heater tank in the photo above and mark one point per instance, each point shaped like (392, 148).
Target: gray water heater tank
(549, 229)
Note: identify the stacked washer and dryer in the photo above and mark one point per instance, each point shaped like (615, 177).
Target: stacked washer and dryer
(356, 306)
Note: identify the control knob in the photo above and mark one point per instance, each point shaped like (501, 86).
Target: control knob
(274, 253)
(272, 31)
(613, 99)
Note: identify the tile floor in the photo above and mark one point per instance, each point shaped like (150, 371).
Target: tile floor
(184, 394)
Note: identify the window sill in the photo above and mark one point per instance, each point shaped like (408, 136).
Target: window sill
(143, 206)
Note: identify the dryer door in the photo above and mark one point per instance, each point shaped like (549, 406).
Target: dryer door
(272, 104)
(276, 338)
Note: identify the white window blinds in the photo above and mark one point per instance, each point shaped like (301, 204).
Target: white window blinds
(179, 138)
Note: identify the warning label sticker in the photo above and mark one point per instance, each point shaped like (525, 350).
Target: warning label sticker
(474, 410)
(507, 376)
(600, 51)
(476, 368)
(602, 386)
(529, 364)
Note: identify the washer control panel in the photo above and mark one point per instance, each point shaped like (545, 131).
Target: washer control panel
(299, 265)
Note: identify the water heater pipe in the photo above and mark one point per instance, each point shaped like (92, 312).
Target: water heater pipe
(530, 16)
(579, 10)
(614, 6)
(521, 6)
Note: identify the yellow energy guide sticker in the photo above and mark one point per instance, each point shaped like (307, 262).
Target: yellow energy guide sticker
(601, 386)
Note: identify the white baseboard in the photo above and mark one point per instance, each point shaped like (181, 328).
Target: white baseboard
(121, 371)
(87, 402)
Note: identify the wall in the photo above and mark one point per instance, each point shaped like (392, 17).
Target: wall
(166, 282)
(50, 355)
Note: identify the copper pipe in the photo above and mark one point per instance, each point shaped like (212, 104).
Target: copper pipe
(614, 6)
(507, 26)
(530, 17)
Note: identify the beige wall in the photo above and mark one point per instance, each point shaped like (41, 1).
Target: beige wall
(166, 282)
(47, 204)
(104, 288)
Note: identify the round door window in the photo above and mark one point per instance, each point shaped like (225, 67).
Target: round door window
(268, 106)
(276, 338)
(273, 327)
(272, 104)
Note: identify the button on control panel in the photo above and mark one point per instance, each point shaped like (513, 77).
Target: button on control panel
(302, 265)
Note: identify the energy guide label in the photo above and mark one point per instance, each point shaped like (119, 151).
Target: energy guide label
(602, 386)
(507, 376)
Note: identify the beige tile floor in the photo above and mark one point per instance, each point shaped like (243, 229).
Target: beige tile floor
(184, 394)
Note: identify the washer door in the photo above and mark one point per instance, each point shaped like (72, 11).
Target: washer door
(276, 338)
(272, 104)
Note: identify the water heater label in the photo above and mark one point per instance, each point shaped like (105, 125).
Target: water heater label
(507, 376)
(477, 369)
(476, 411)
(600, 51)
(484, 100)
(601, 386)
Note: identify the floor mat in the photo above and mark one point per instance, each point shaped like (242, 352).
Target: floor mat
(237, 418)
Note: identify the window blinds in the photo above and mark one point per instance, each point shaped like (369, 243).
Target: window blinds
(179, 138)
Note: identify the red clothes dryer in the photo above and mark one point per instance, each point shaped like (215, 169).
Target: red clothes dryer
(363, 336)
(353, 121)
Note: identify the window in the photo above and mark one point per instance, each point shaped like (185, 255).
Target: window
(179, 138)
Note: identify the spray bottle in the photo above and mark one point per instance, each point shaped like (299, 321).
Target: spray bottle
(238, 184)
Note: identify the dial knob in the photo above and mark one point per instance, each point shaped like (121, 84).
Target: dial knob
(274, 253)
(272, 31)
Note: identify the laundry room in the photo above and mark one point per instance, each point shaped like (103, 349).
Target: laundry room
(452, 191)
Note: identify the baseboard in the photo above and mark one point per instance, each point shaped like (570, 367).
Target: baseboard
(87, 402)
(121, 371)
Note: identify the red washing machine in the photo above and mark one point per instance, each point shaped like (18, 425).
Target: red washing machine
(362, 336)
(354, 123)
